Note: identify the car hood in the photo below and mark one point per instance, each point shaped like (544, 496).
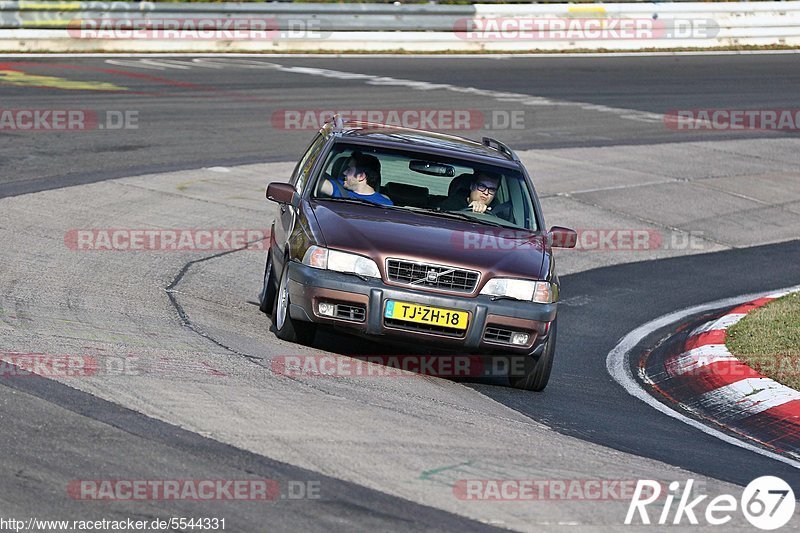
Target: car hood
(382, 233)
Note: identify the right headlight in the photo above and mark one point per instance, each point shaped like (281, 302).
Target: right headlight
(542, 292)
(325, 258)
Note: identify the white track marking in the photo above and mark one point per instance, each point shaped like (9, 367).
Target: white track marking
(384, 81)
(521, 98)
(618, 365)
(500, 96)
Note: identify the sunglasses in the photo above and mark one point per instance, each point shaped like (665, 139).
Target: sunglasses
(482, 187)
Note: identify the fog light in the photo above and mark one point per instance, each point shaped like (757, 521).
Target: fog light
(519, 338)
(326, 309)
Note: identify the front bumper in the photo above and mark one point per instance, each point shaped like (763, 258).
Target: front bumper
(364, 303)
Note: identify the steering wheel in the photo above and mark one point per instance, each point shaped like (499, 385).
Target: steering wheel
(469, 210)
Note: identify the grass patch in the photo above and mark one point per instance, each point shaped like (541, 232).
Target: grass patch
(768, 340)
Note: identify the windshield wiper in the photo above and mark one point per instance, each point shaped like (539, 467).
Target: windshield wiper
(492, 223)
(443, 214)
(459, 216)
(356, 201)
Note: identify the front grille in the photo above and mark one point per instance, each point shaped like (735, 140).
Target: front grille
(430, 276)
(493, 334)
(425, 328)
(356, 313)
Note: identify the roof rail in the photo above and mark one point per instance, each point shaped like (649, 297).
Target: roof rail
(337, 122)
(500, 147)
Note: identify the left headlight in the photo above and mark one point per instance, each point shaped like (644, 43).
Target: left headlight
(325, 258)
(542, 292)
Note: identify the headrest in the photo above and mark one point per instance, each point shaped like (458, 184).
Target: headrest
(460, 182)
(338, 166)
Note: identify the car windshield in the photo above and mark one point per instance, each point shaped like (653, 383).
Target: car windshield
(428, 184)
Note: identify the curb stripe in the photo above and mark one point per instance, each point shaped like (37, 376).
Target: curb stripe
(686, 387)
(619, 366)
(715, 336)
(790, 411)
(750, 396)
(708, 380)
(724, 322)
(751, 306)
(778, 426)
(697, 358)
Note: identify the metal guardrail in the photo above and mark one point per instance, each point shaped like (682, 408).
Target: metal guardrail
(32, 14)
(334, 17)
(36, 25)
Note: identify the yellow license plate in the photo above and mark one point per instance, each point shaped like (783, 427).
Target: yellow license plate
(423, 314)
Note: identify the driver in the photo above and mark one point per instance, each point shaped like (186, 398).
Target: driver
(482, 191)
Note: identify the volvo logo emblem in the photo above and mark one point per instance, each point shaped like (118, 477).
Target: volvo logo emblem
(432, 276)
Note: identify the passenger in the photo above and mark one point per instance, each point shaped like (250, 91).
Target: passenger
(359, 179)
(482, 191)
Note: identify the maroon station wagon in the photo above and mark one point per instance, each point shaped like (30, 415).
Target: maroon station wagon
(413, 236)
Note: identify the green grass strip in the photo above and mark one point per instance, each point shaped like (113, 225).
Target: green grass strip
(768, 340)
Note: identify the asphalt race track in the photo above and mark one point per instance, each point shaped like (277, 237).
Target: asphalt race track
(203, 137)
(201, 116)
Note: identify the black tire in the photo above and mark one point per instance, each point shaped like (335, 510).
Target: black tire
(536, 371)
(266, 299)
(287, 328)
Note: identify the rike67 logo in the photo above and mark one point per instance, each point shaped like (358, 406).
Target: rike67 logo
(767, 503)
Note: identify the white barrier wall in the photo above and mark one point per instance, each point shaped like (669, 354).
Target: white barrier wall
(76, 26)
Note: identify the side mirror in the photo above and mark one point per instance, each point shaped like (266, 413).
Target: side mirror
(559, 237)
(283, 193)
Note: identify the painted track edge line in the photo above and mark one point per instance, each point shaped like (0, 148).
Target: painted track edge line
(618, 366)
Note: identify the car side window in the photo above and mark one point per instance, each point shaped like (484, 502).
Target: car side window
(306, 163)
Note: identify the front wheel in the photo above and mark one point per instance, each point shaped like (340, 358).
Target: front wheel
(536, 372)
(286, 328)
(266, 299)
